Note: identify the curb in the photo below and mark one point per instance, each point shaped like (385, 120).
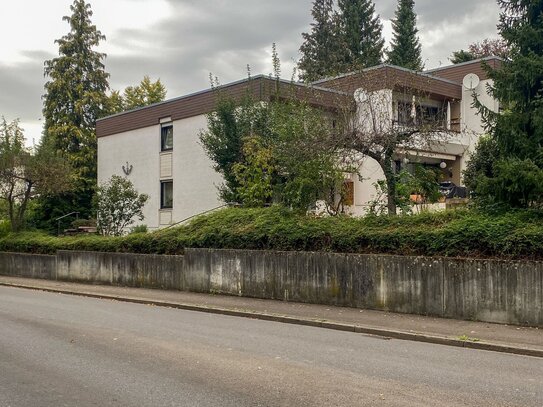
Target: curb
(381, 332)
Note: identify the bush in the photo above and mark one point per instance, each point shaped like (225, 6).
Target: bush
(139, 229)
(455, 233)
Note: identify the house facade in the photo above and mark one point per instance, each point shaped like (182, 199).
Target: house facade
(157, 147)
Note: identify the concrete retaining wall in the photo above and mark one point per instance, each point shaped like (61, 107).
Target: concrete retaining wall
(28, 265)
(485, 290)
(123, 269)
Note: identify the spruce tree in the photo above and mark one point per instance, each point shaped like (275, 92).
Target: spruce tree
(517, 131)
(405, 47)
(361, 33)
(519, 83)
(75, 97)
(320, 47)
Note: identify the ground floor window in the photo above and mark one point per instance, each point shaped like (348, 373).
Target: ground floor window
(166, 195)
(348, 193)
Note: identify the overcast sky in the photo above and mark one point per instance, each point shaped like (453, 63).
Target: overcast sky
(182, 41)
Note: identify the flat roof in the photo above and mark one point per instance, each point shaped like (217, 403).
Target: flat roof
(261, 88)
(331, 93)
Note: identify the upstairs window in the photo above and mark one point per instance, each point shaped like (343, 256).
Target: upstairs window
(166, 138)
(410, 114)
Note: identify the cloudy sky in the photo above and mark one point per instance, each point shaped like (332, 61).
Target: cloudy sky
(182, 41)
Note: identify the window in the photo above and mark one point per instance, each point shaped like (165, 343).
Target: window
(348, 193)
(419, 115)
(166, 138)
(166, 195)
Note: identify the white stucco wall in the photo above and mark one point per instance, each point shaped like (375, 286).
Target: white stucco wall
(194, 180)
(140, 149)
(471, 121)
(364, 189)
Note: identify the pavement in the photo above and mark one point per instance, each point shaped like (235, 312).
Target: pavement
(468, 334)
(65, 350)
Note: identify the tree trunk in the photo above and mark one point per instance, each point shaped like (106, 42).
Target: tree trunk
(390, 177)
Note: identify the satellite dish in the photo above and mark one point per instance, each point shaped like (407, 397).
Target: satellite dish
(360, 95)
(471, 81)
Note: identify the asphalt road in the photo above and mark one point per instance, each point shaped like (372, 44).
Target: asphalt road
(58, 350)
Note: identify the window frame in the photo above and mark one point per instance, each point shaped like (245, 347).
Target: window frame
(164, 135)
(163, 206)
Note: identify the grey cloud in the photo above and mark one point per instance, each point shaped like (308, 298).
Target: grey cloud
(456, 24)
(223, 36)
(216, 36)
(21, 88)
(213, 36)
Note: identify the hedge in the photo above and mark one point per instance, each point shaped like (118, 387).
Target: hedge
(458, 233)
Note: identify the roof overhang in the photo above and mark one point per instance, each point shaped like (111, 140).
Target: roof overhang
(259, 88)
(395, 78)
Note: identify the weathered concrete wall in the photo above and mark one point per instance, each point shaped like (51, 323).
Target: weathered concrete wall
(124, 269)
(485, 290)
(28, 265)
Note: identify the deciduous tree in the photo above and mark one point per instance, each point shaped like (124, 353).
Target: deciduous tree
(144, 94)
(372, 131)
(26, 174)
(118, 205)
(485, 48)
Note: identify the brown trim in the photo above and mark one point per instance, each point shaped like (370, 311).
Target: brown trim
(260, 88)
(392, 77)
(457, 72)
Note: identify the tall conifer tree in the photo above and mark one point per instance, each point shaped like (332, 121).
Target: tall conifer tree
(405, 49)
(320, 47)
(516, 172)
(75, 97)
(518, 85)
(361, 34)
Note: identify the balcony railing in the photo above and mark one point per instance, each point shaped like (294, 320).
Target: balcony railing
(437, 125)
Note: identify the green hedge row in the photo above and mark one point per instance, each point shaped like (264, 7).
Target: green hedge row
(452, 233)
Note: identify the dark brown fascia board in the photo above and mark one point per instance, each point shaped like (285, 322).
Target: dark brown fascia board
(459, 71)
(393, 77)
(478, 62)
(261, 88)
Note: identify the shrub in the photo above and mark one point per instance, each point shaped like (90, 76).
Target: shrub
(463, 232)
(139, 229)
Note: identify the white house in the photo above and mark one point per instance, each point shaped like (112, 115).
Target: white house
(158, 147)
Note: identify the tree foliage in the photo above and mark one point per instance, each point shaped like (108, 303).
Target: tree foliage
(255, 174)
(145, 93)
(118, 205)
(320, 50)
(406, 50)
(25, 174)
(341, 41)
(75, 97)
(270, 152)
(361, 32)
(227, 127)
(483, 49)
(461, 56)
(515, 177)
